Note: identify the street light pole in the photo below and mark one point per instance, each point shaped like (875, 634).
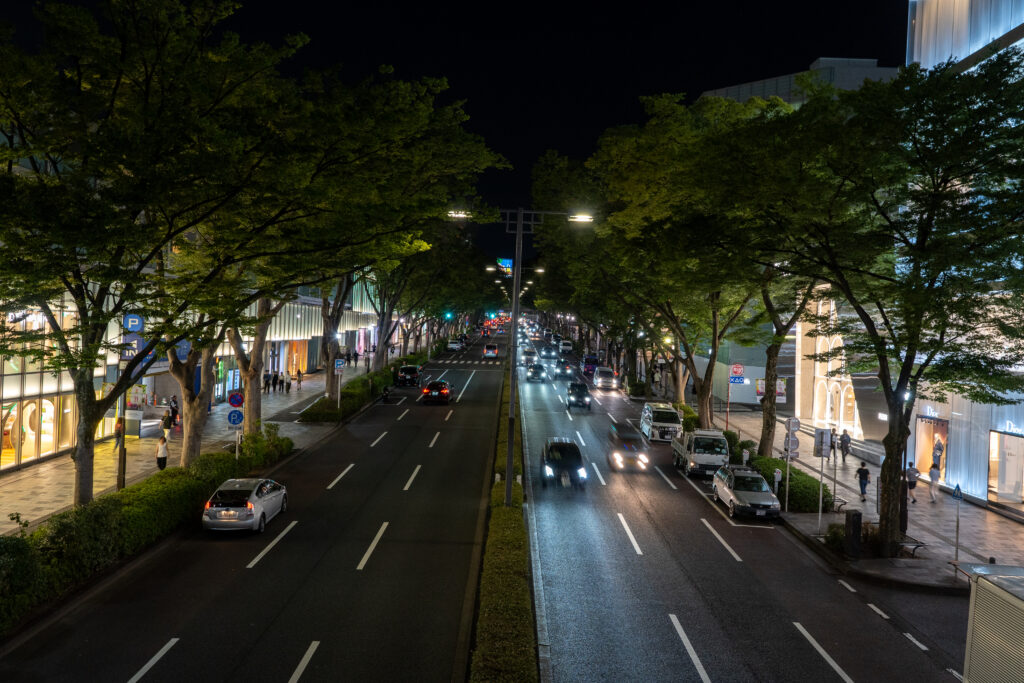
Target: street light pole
(513, 355)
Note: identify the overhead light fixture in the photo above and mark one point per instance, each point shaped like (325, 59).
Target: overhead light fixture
(581, 218)
(459, 214)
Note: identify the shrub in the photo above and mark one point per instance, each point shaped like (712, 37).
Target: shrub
(803, 488)
(835, 537)
(324, 410)
(637, 389)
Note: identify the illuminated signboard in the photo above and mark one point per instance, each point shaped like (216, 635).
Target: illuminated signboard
(505, 266)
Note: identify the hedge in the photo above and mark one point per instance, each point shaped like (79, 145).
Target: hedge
(803, 488)
(72, 548)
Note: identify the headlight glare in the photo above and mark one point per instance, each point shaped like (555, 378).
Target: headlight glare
(548, 471)
(582, 472)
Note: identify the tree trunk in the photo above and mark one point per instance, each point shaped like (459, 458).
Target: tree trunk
(331, 313)
(895, 442)
(250, 365)
(705, 407)
(194, 407)
(89, 417)
(682, 376)
(771, 376)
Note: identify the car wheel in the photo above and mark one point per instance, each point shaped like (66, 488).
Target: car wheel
(686, 467)
(284, 504)
(732, 508)
(714, 493)
(262, 526)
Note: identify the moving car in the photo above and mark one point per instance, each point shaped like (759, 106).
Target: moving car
(606, 378)
(562, 463)
(744, 491)
(659, 421)
(439, 390)
(527, 357)
(245, 504)
(577, 394)
(535, 372)
(563, 369)
(490, 350)
(547, 352)
(565, 347)
(626, 448)
(408, 375)
(454, 344)
(701, 452)
(588, 365)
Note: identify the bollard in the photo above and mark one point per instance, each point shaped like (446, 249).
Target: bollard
(851, 540)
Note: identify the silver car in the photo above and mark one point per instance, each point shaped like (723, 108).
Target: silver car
(605, 378)
(245, 504)
(744, 491)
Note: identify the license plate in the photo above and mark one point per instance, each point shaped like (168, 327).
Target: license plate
(228, 513)
(433, 393)
(760, 513)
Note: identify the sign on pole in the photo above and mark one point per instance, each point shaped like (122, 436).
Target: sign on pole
(736, 370)
(339, 366)
(236, 399)
(958, 495)
(236, 417)
(736, 379)
(133, 322)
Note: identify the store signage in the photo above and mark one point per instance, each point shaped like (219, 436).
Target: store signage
(930, 412)
(505, 266)
(736, 370)
(1013, 429)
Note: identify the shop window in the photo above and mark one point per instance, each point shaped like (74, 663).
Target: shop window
(1005, 467)
(9, 429)
(930, 440)
(66, 421)
(47, 426)
(31, 421)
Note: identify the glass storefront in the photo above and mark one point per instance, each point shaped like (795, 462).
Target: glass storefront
(930, 442)
(1005, 467)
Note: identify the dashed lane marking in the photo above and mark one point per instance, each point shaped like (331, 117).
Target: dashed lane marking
(667, 480)
(879, 612)
(304, 662)
(598, 473)
(821, 651)
(689, 649)
(721, 540)
(629, 533)
(338, 478)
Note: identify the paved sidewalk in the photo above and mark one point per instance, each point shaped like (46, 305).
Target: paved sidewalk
(983, 534)
(39, 491)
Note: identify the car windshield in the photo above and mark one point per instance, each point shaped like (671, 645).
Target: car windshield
(436, 386)
(704, 444)
(536, 368)
(231, 498)
(578, 388)
(491, 347)
(605, 373)
(746, 483)
(631, 443)
(409, 369)
(667, 416)
(565, 453)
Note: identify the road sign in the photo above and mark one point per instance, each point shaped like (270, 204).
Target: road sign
(957, 493)
(236, 417)
(736, 379)
(133, 322)
(236, 399)
(339, 366)
(792, 444)
(792, 424)
(736, 370)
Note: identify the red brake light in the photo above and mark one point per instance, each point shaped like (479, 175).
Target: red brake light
(425, 391)
(444, 391)
(207, 506)
(248, 504)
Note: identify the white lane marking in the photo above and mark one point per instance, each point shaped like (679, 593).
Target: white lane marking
(433, 440)
(401, 400)
(382, 434)
(580, 436)
(338, 478)
(403, 414)
(272, 544)
(612, 418)
(560, 398)
(667, 480)
(847, 586)
(427, 378)
(369, 551)
(689, 649)
(304, 661)
(956, 674)
(448, 415)
(409, 483)
(721, 540)
(466, 386)
(568, 415)
(821, 651)
(156, 658)
(598, 473)
(917, 642)
(419, 397)
(878, 611)
(630, 534)
(442, 374)
(597, 401)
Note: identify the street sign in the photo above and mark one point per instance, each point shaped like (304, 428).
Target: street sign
(736, 370)
(339, 366)
(792, 444)
(133, 322)
(736, 379)
(957, 493)
(792, 424)
(236, 399)
(236, 417)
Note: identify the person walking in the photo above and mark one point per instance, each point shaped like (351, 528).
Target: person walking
(161, 452)
(833, 442)
(266, 381)
(165, 424)
(298, 379)
(118, 434)
(348, 357)
(273, 381)
(933, 473)
(287, 382)
(863, 477)
(355, 357)
(912, 476)
(173, 403)
(844, 444)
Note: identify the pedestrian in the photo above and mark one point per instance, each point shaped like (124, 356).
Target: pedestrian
(833, 442)
(348, 357)
(355, 357)
(118, 433)
(375, 348)
(266, 381)
(912, 476)
(274, 380)
(298, 379)
(165, 424)
(863, 477)
(173, 403)
(844, 444)
(933, 472)
(367, 357)
(161, 452)
(394, 375)
(287, 382)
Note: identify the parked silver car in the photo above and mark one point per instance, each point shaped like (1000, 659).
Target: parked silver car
(245, 504)
(744, 491)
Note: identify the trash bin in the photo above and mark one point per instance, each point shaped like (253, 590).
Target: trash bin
(851, 539)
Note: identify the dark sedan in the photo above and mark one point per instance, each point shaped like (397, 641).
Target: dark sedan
(438, 391)
(562, 463)
(535, 372)
(408, 375)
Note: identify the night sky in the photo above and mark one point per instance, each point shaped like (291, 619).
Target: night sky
(555, 78)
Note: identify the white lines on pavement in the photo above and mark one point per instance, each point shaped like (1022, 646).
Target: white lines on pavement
(419, 397)
(879, 612)
(382, 435)
(272, 544)
(612, 418)
(597, 402)
(465, 386)
(433, 440)
(667, 480)
(304, 661)
(401, 400)
(917, 642)
(598, 473)
(630, 534)
(716, 508)
(338, 478)
(821, 651)
(369, 551)
(568, 415)
(580, 437)
(403, 414)
(721, 540)
(442, 374)
(409, 483)
(560, 398)
(847, 586)
(448, 415)
(956, 674)
(689, 649)
(156, 658)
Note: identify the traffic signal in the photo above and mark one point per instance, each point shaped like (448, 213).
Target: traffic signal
(448, 316)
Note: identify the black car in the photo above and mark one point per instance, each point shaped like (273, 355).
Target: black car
(548, 352)
(438, 390)
(563, 369)
(626, 448)
(577, 394)
(536, 372)
(408, 375)
(561, 462)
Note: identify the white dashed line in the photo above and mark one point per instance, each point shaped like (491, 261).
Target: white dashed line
(409, 483)
(598, 473)
(382, 435)
(403, 414)
(580, 437)
(369, 551)
(821, 651)
(630, 534)
(304, 662)
(568, 415)
(596, 400)
(667, 480)
(847, 586)
(612, 417)
(560, 398)
(401, 400)
(917, 642)
(156, 658)
(721, 540)
(433, 440)
(956, 674)
(448, 415)
(879, 612)
(689, 649)
(338, 478)
(272, 544)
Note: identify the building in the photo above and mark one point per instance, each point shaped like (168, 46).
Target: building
(842, 73)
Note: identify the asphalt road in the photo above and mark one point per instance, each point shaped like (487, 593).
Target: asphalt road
(369, 575)
(643, 577)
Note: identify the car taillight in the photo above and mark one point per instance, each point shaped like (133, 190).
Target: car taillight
(207, 506)
(425, 391)
(444, 391)
(248, 505)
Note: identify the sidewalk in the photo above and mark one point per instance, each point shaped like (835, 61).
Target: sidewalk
(38, 491)
(983, 534)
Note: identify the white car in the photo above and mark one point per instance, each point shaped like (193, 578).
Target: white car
(527, 357)
(659, 422)
(605, 378)
(246, 504)
(454, 345)
(490, 350)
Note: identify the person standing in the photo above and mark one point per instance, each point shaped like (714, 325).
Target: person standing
(165, 424)
(933, 472)
(298, 379)
(173, 403)
(118, 434)
(161, 452)
(863, 477)
(348, 357)
(273, 380)
(844, 444)
(833, 443)
(912, 476)
(287, 382)
(355, 358)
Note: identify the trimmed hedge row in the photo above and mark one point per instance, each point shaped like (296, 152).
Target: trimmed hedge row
(803, 488)
(71, 548)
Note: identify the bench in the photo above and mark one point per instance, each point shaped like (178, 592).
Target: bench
(838, 503)
(913, 545)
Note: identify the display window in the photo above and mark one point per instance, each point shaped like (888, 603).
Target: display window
(9, 430)
(1005, 467)
(931, 439)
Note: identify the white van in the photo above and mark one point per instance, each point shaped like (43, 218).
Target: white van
(565, 346)
(659, 422)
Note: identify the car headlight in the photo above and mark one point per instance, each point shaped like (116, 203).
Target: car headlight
(548, 471)
(587, 399)
(618, 457)
(775, 505)
(642, 457)
(582, 472)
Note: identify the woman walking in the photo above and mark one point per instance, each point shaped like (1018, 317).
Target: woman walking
(166, 423)
(161, 453)
(933, 488)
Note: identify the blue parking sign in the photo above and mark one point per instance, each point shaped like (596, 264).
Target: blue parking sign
(133, 322)
(236, 417)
